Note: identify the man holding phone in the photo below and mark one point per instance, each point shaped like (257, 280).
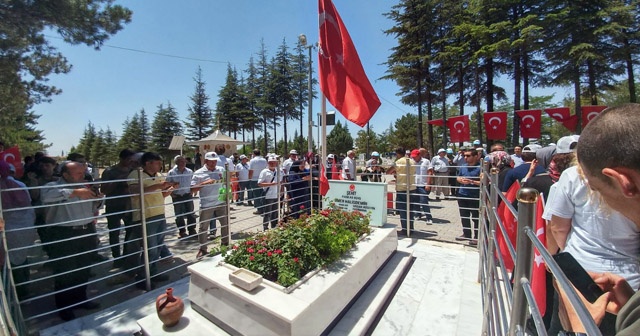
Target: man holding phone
(616, 178)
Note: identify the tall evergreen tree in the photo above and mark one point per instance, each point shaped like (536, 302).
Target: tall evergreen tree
(199, 120)
(264, 108)
(228, 108)
(86, 142)
(282, 95)
(165, 125)
(339, 140)
(252, 92)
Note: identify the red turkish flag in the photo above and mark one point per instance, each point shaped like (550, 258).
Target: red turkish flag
(495, 123)
(342, 78)
(324, 182)
(12, 157)
(590, 112)
(538, 271)
(529, 123)
(510, 224)
(563, 116)
(459, 128)
(437, 122)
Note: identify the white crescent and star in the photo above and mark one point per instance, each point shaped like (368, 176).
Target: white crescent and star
(455, 124)
(533, 120)
(539, 260)
(6, 156)
(496, 118)
(558, 115)
(323, 18)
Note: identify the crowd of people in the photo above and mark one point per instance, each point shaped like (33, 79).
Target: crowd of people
(591, 206)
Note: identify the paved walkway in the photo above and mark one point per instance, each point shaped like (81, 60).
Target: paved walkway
(110, 293)
(438, 296)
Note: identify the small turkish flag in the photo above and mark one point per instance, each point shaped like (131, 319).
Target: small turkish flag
(510, 224)
(12, 157)
(529, 123)
(590, 112)
(324, 182)
(563, 116)
(539, 272)
(437, 122)
(495, 123)
(459, 128)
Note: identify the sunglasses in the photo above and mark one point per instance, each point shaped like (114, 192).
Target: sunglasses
(468, 155)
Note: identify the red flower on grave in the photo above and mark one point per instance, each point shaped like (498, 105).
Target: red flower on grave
(250, 250)
(235, 247)
(295, 259)
(269, 254)
(252, 258)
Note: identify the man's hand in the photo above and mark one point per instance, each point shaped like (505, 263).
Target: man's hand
(619, 288)
(85, 193)
(569, 317)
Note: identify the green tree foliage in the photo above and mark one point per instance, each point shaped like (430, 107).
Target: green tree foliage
(339, 140)
(199, 119)
(251, 91)
(86, 142)
(27, 59)
(264, 107)
(229, 108)
(165, 125)
(281, 89)
(134, 135)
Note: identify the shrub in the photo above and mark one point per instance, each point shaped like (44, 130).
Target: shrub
(290, 251)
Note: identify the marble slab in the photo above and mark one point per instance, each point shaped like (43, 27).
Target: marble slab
(308, 310)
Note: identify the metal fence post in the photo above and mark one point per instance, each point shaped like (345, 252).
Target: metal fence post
(487, 264)
(145, 242)
(527, 198)
(10, 307)
(227, 185)
(408, 193)
(278, 174)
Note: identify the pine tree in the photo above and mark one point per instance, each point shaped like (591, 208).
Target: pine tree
(282, 91)
(165, 126)
(252, 93)
(199, 120)
(339, 140)
(86, 142)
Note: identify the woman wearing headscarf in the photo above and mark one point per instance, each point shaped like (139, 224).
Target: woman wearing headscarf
(298, 192)
(502, 161)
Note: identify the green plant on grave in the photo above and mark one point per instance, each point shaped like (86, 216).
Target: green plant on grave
(288, 252)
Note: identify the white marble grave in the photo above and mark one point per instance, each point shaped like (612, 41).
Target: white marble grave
(308, 310)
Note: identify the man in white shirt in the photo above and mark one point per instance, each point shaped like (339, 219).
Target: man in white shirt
(516, 157)
(423, 177)
(207, 181)
(286, 165)
(256, 165)
(269, 180)
(242, 169)
(349, 166)
(181, 176)
(440, 166)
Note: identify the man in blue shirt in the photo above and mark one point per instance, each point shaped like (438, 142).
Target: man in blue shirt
(469, 195)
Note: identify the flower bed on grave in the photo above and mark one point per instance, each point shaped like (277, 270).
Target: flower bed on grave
(287, 253)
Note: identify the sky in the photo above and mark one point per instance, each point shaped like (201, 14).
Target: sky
(129, 73)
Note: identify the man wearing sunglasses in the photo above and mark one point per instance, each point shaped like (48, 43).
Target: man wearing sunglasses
(468, 195)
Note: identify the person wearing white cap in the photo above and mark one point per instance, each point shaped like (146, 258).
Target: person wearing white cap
(256, 165)
(207, 181)
(520, 172)
(440, 165)
(373, 169)
(242, 169)
(181, 176)
(333, 168)
(269, 179)
(286, 165)
(349, 166)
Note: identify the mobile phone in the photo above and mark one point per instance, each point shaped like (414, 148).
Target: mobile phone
(578, 276)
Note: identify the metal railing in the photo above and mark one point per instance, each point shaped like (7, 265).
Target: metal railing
(508, 300)
(27, 303)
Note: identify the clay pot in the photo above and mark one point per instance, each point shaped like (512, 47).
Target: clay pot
(170, 308)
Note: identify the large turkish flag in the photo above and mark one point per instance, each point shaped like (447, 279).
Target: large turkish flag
(342, 78)
(590, 112)
(459, 128)
(12, 157)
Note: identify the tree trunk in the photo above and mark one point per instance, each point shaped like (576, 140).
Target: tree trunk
(419, 97)
(284, 119)
(517, 75)
(489, 95)
(576, 92)
(630, 78)
(478, 100)
(525, 78)
(593, 91)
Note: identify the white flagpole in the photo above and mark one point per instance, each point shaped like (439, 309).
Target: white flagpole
(323, 138)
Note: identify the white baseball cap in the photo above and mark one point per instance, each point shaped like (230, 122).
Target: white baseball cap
(293, 152)
(331, 156)
(211, 156)
(273, 158)
(567, 144)
(441, 150)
